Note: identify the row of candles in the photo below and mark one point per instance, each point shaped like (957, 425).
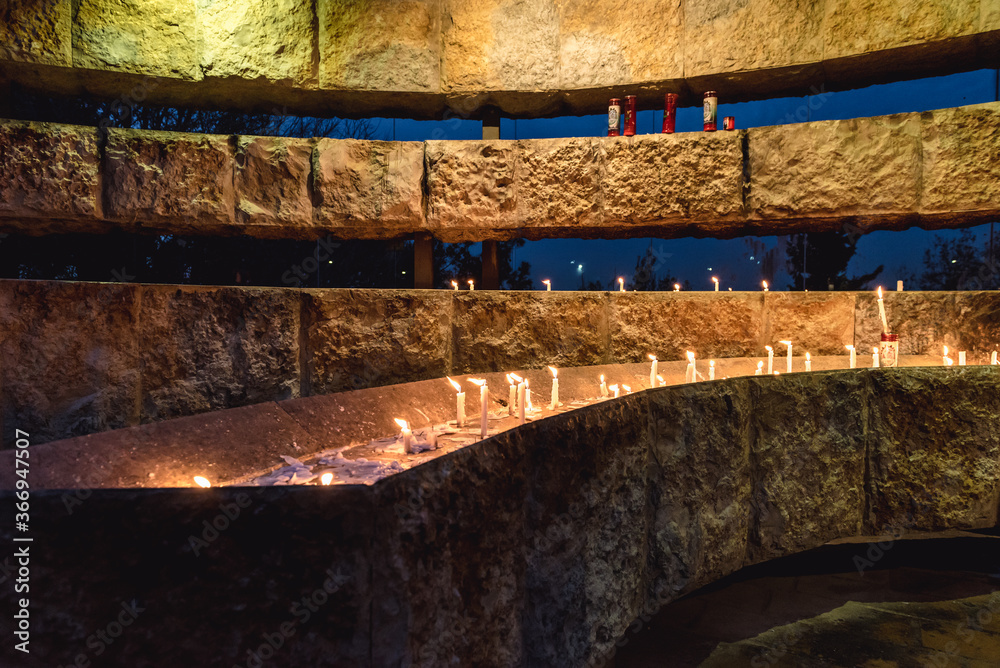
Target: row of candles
(765, 287)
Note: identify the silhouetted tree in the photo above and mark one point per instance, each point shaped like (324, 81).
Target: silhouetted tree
(956, 263)
(819, 259)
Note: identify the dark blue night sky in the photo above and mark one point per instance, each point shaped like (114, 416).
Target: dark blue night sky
(566, 261)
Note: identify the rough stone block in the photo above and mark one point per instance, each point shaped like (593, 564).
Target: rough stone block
(258, 40)
(185, 180)
(924, 321)
(451, 560)
(868, 166)
(975, 324)
(503, 331)
(471, 184)
(853, 27)
(158, 38)
(943, 469)
(673, 178)
(758, 34)
(272, 182)
(668, 324)
(379, 45)
(364, 338)
(961, 159)
(210, 348)
(700, 485)
(808, 461)
(374, 187)
(49, 171)
(815, 322)
(613, 42)
(559, 183)
(500, 46)
(36, 32)
(69, 363)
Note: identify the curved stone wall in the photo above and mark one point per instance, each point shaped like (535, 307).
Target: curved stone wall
(81, 358)
(933, 169)
(421, 57)
(536, 547)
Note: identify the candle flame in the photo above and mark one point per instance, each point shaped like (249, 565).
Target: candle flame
(946, 350)
(875, 349)
(715, 280)
(627, 388)
(472, 284)
(659, 378)
(454, 284)
(202, 481)
(613, 388)
(764, 283)
(690, 356)
(760, 365)
(555, 371)
(768, 348)
(849, 347)
(458, 388)
(517, 378)
(509, 379)
(402, 423)
(711, 362)
(546, 282)
(880, 292)
(621, 284)
(602, 377)
(477, 381)
(326, 478)
(787, 343)
(652, 357)
(807, 357)
(677, 287)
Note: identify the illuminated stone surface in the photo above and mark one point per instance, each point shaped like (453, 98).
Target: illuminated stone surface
(175, 180)
(961, 159)
(471, 181)
(36, 32)
(559, 182)
(272, 182)
(820, 323)
(49, 171)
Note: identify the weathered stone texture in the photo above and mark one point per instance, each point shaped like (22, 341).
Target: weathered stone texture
(471, 181)
(941, 470)
(258, 40)
(49, 171)
(924, 321)
(668, 324)
(158, 38)
(36, 32)
(673, 178)
(976, 324)
(700, 486)
(808, 461)
(501, 331)
(755, 34)
(865, 166)
(364, 338)
(961, 159)
(368, 185)
(853, 27)
(69, 363)
(380, 45)
(815, 322)
(989, 15)
(169, 178)
(559, 182)
(216, 348)
(613, 42)
(272, 181)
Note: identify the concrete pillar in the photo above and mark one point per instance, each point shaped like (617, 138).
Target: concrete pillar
(491, 123)
(491, 273)
(423, 261)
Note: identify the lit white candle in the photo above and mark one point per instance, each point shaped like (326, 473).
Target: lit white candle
(484, 392)
(764, 283)
(881, 311)
(854, 357)
(621, 284)
(628, 390)
(945, 360)
(515, 392)
(662, 383)
(326, 478)
(760, 369)
(677, 287)
(652, 370)
(788, 356)
(993, 358)
(716, 281)
(604, 387)
(527, 396)
(548, 285)
(809, 364)
(459, 405)
(406, 435)
(770, 360)
(472, 284)
(511, 396)
(961, 358)
(691, 373)
(454, 284)
(554, 403)
(875, 363)
(520, 403)
(614, 389)
(711, 369)
(899, 286)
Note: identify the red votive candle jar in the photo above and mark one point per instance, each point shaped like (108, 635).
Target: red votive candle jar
(629, 115)
(729, 123)
(669, 113)
(614, 116)
(888, 350)
(711, 110)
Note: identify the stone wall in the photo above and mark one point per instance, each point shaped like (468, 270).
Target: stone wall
(933, 169)
(419, 58)
(81, 358)
(535, 547)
